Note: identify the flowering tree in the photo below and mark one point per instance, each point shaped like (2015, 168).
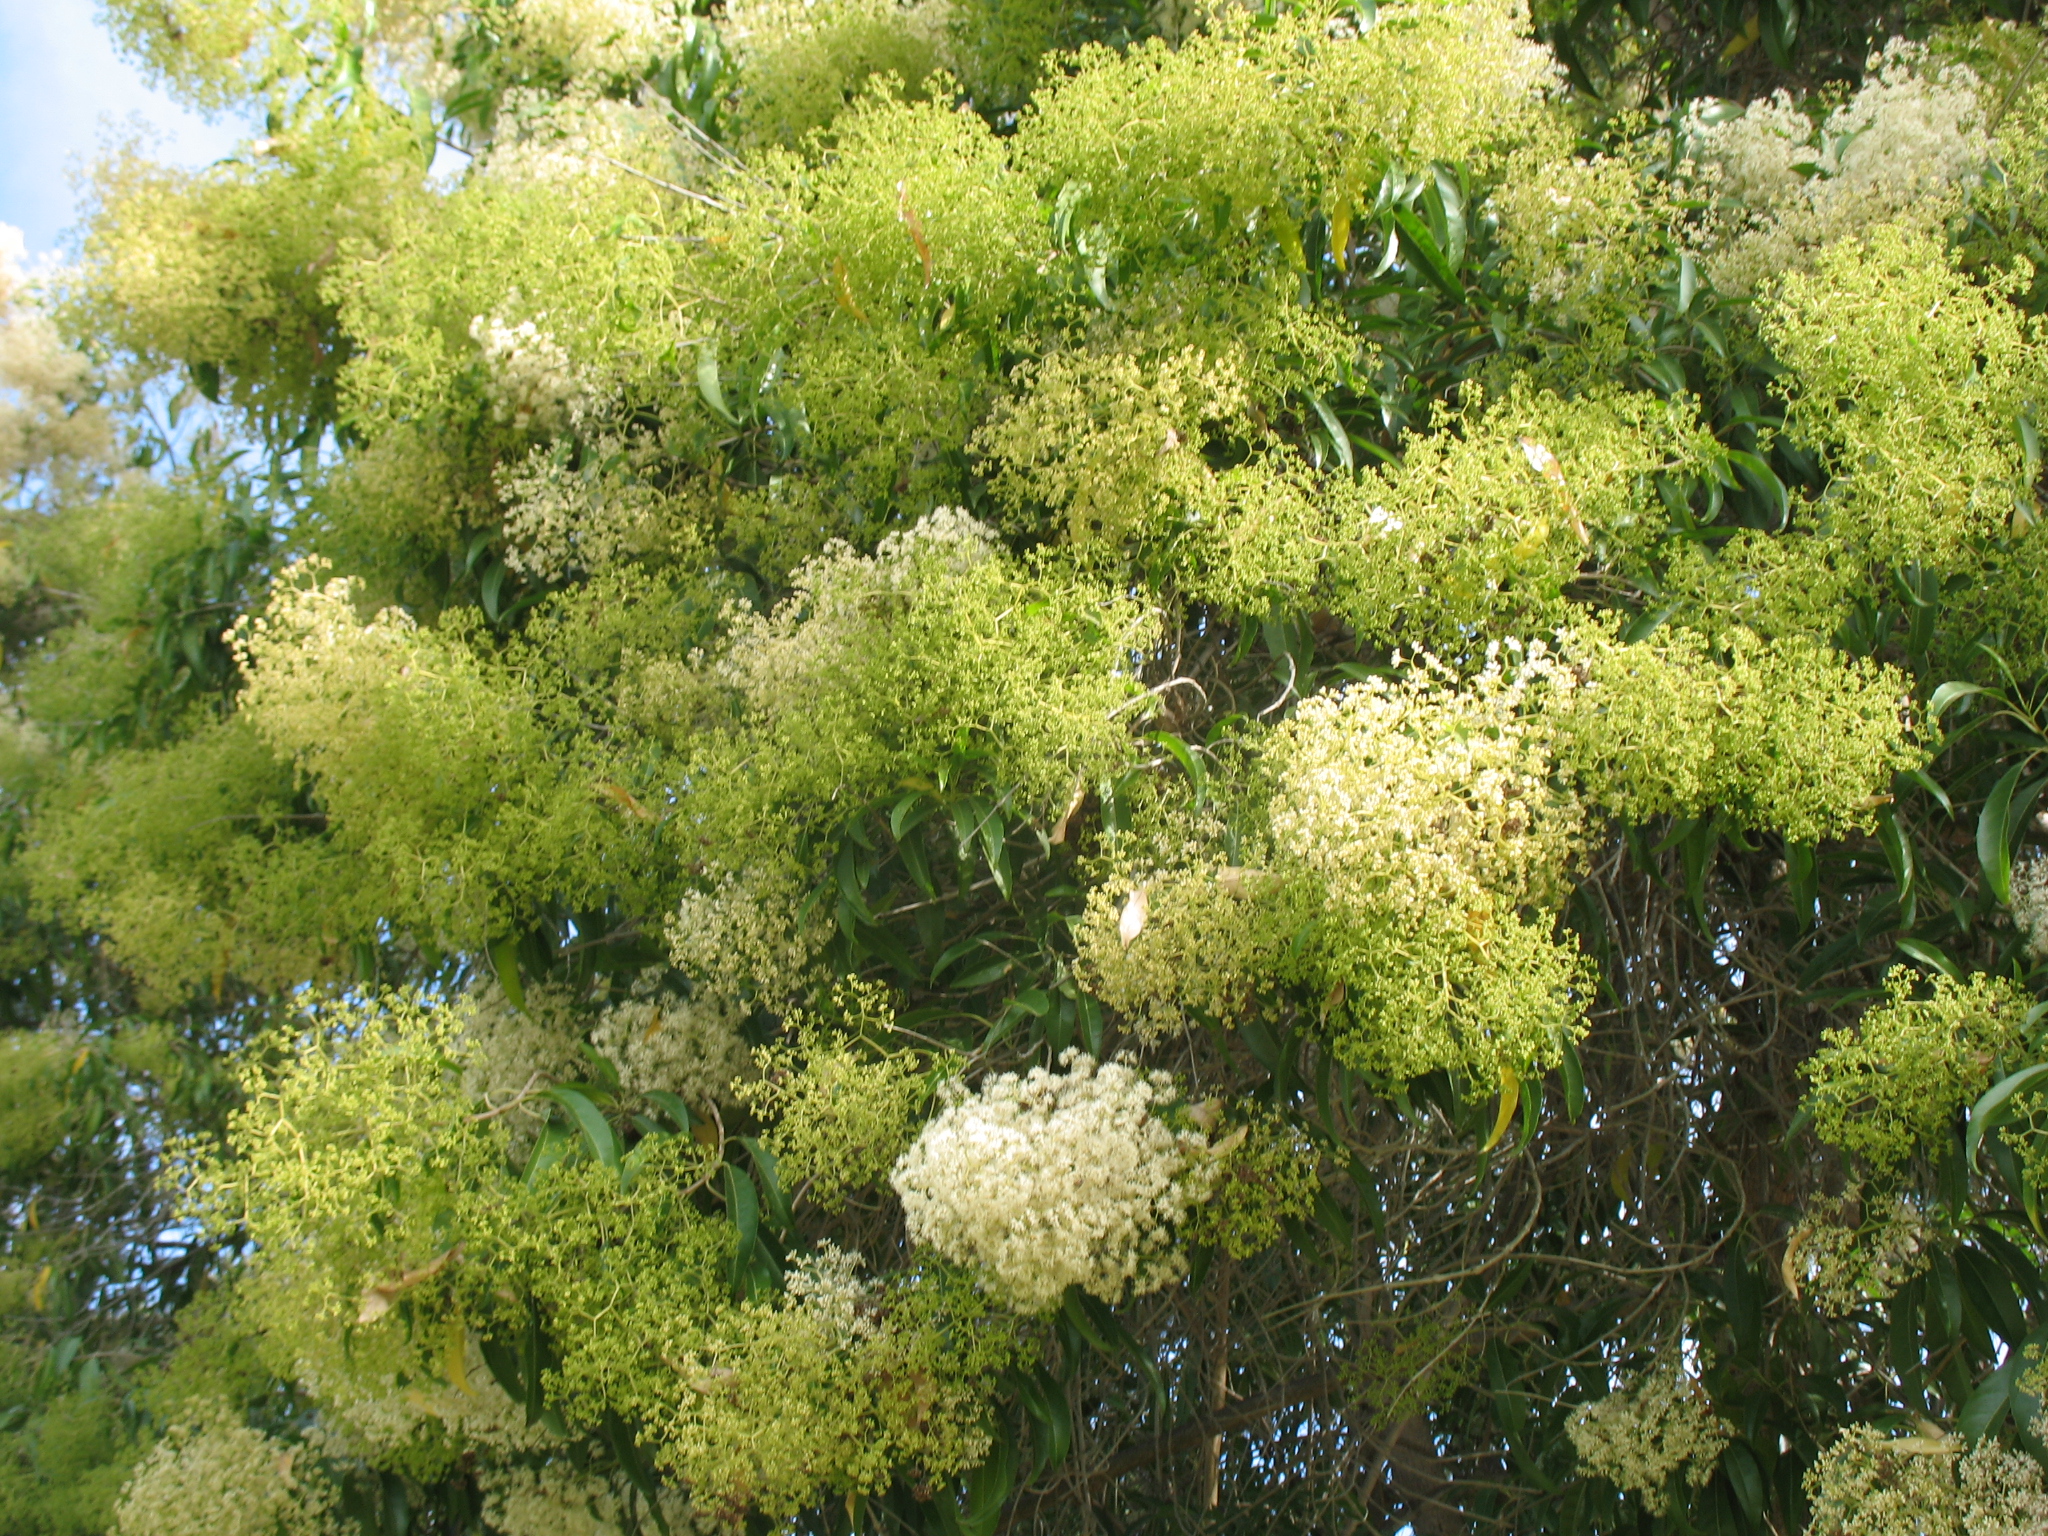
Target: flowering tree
(974, 767)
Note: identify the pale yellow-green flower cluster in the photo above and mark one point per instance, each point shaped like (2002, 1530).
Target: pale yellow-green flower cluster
(782, 1399)
(1205, 937)
(1416, 849)
(1870, 1483)
(1264, 1176)
(839, 1109)
(1911, 376)
(1789, 735)
(1426, 814)
(1842, 1264)
(513, 1052)
(1892, 1085)
(559, 1499)
(49, 419)
(1658, 1426)
(534, 384)
(748, 935)
(2029, 904)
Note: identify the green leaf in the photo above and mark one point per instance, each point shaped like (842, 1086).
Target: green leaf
(995, 846)
(549, 1148)
(672, 1106)
(491, 588)
(1996, 1105)
(504, 955)
(1190, 762)
(1991, 1294)
(1574, 1082)
(1930, 955)
(1898, 852)
(1647, 623)
(1452, 198)
(901, 818)
(597, 1131)
(1994, 834)
(744, 1208)
(502, 1361)
(708, 384)
(774, 1199)
(1948, 694)
(1340, 440)
(627, 1454)
(1430, 259)
(1985, 1408)
(1745, 1477)
(1100, 1326)
(1052, 1420)
(1764, 480)
(1920, 777)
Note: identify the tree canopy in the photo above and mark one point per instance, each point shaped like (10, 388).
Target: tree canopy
(982, 766)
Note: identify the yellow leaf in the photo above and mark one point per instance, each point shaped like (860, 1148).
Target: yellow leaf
(1532, 541)
(908, 214)
(843, 291)
(1510, 1101)
(1340, 227)
(40, 1291)
(455, 1357)
(1744, 40)
(1059, 833)
(632, 807)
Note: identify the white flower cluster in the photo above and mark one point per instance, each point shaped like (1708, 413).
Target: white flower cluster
(1912, 130)
(371, 1417)
(1638, 1437)
(222, 1478)
(559, 1500)
(604, 36)
(688, 1046)
(510, 1051)
(1055, 1179)
(1869, 1483)
(2030, 904)
(827, 1283)
(560, 520)
(534, 384)
(542, 140)
(1418, 796)
(747, 931)
(46, 411)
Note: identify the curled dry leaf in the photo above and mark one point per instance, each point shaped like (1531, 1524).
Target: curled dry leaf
(381, 1297)
(1132, 923)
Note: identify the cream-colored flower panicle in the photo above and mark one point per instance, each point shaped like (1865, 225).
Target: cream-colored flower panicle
(1638, 1437)
(222, 1478)
(1055, 1179)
